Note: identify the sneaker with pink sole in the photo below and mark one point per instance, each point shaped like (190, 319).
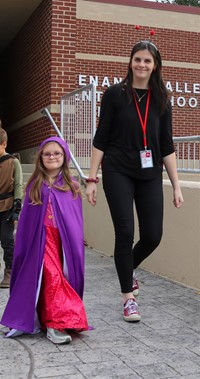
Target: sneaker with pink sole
(131, 312)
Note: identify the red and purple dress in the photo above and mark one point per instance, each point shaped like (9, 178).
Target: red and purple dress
(59, 306)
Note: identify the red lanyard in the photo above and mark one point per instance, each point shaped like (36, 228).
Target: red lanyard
(143, 123)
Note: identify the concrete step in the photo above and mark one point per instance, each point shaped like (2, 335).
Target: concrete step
(28, 167)
(26, 177)
(27, 170)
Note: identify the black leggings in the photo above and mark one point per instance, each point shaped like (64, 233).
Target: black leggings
(7, 238)
(122, 192)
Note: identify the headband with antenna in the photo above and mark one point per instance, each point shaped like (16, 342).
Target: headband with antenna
(152, 33)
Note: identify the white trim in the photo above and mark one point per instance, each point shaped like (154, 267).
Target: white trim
(125, 14)
(118, 59)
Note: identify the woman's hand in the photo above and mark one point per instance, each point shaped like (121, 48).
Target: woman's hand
(170, 165)
(178, 198)
(91, 190)
(91, 193)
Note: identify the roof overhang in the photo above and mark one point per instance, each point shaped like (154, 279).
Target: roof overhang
(13, 15)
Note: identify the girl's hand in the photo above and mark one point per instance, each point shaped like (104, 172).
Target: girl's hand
(91, 193)
(178, 198)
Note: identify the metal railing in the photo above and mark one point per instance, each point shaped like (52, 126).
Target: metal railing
(78, 126)
(46, 112)
(188, 153)
(78, 122)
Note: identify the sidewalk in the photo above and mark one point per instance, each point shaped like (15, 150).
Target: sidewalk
(164, 345)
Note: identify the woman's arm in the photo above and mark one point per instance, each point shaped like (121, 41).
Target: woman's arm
(91, 191)
(171, 168)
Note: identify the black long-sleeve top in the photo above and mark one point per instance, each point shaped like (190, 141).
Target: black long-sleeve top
(119, 134)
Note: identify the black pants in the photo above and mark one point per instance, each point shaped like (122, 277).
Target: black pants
(122, 192)
(7, 238)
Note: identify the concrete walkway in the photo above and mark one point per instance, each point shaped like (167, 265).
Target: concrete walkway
(164, 345)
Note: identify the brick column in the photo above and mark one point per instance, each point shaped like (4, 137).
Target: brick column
(63, 75)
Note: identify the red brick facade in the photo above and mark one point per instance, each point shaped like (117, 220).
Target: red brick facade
(40, 65)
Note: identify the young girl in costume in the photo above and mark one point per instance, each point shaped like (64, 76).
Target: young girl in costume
(48, 269)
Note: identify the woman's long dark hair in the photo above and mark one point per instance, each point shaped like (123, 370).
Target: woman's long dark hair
(156, 84)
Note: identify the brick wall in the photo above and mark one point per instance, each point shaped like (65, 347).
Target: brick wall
(28, 66)
(40, 64)
(118, 39)
(38, 67)
(63, 48)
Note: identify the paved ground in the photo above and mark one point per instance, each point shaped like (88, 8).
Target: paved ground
(164, 345)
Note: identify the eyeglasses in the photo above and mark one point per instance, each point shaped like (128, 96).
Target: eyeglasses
(56, 154)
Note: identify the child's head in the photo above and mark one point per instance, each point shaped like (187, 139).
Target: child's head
(59, 141)
(52, 158)
(53, 155)
(3, 141)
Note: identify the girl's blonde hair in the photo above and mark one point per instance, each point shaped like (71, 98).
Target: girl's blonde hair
(40, 175)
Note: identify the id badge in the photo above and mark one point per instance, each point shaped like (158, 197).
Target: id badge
(146, 158)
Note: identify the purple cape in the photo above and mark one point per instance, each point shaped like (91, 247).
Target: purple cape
(29, 250)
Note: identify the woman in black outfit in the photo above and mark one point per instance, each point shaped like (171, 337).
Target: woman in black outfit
(133, 141)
